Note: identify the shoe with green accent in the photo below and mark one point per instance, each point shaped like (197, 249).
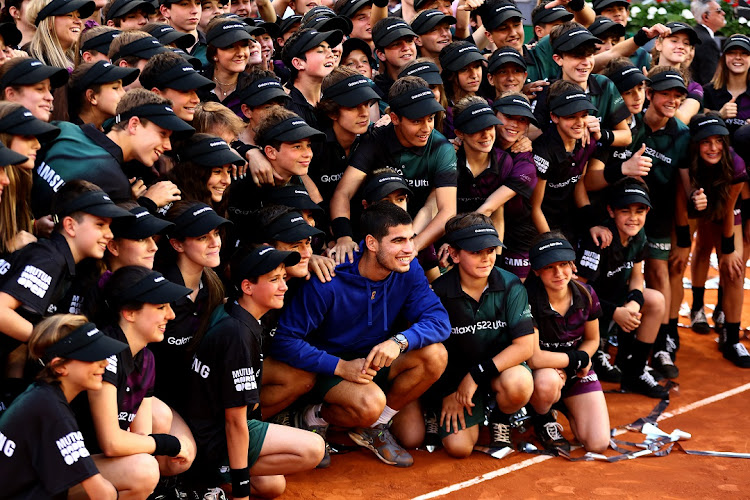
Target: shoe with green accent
(381, 442)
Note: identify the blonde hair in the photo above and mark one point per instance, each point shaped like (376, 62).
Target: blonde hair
(86, 35)
(48, 332)
(45, 45)
(211, 115)
(15, 212)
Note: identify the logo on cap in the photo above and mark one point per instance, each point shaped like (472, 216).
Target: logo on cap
(503, 7)
(217, 143)
(233, 26)
(550, 245)
(201, 210)
(298, 122)
(141, 214)
(481, 110)
(27, 113)
(470, 47)
(357, 82)
(705, 122)
(629, 70)
(158, 279)
(422, 94)
(576, 96)
(265, 251)
(415, 70)
(636, 191)
(266, 84)
(577, 32)
(35, 63)
(397, 25)
(296, 219)
(484, 230)
(522, 102)
(92, 332)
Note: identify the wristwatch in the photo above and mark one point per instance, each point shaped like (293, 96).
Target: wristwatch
(400, 339)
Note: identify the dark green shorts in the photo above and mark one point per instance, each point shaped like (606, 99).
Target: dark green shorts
(659, 248)
(257, 431)
(324, 383)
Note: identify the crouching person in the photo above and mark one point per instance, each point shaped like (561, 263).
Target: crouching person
(225, 383)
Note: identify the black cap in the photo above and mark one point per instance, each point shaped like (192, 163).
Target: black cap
(105, 72)
(350, 7)
(475, 238)
(427, 71)
(353, 44)
(181, 76)
(59, 7)
(168, 35)
(505, 55)
(272, 29)
(11, 35)
(475, 118)
(85, 343)
(92, 202)
(140, 226)
(31, 71)
(380, 185)
(680, 27)
(288, 23)
(459, 55)
(549, 251)
(558, 13)
(600, 5)
(291, 227)
(495, 14)
(671, 79)
(627, 77)
(120, 8)
(227, 33)
(143, 48)
(428, 19)
(22, 122)
(263, 260)
(211, 152)
(198, 220)
(737, 41)
(416, 103)
(160, 114)
(293, 129)
(351, 92)
(604, 26)
(322, 18)
(10, 157)
(292, 196)
(154, 288)
(389, 30)
(262, 91)
(624, 194)
(101, 42)
(311, 39)
(192, 60)
(573, 38)
(571, 102)
(702, 126)
(515, 105)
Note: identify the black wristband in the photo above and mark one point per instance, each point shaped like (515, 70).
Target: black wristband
(607, 138)
(240, 482)
(148, 204)
(587, 216)
(166, 444)
(727, 245)
(613, 172)
(340, 227)
(636, 296)
(484, 372)
(576, 361)
(641, 38)
(380, 3)
(576, 5)
(684, 238)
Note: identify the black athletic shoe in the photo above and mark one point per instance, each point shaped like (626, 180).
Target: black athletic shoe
(699, 322)
(431, 430)
(298, 420)
(719, 320)
(550, 434)
(605, 370)
(662, 362)
(737, 354)
(644, 383)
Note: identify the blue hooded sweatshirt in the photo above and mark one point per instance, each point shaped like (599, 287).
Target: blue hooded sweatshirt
(351, 314)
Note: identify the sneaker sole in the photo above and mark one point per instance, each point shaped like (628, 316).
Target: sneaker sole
(366, 444)
(701, 328)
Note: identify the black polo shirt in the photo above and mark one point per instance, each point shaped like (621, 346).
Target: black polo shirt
(384, 82)
(329, 162)
(42, 452)
(301, 106)
(480, 330)
(226, 373)
(714, 99)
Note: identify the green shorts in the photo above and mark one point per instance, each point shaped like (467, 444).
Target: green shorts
(324, 383)
(659, 248)
(257, 431)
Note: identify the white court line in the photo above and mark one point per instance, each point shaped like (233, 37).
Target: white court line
(541, 458)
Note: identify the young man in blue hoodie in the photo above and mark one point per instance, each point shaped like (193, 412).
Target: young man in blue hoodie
(346, 331)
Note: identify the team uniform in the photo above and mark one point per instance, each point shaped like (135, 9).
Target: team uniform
(714, 99)
(479, 330)
(42, 451)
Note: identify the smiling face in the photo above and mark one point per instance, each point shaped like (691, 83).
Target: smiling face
(629, 220)
(634, 98)
(737, 61)
(149, 142)
(84, 375)
(202, 250)
(512, 127)
(358, 61)
(150, 322)
(293, 158)
(509, 33)
(572, 126)
(474, 265)
(235, 58)
(665, 102)
(67, 28)
(480, 142)
(183, 102)
(509, 77)
(395, 251)
(399, 53)
(434, 40)
(108, 97)
(710, 149)
(304, 248)
(619, 13)
(243, 8)
(268, 293)
(91, 235)
(127, 252)
(26, 145)
(673, 49)
(266, 45)
(301, 7)
(413, 133)
(361, 26)
(37, 98)
(217, 184)
(319, 61)
(576, 67)
(354, 120)
(556, 276)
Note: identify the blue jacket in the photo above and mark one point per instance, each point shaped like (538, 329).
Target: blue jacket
(351, 314)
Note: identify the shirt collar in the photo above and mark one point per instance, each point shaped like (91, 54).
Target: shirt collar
(494, 283)
(240, 314)
(62, 246)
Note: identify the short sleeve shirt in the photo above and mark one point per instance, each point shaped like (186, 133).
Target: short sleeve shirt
(519, 234)
(480, 330)
(42, 451)
(226, 373)
(328, 164)
(714, 99)
(426, 168)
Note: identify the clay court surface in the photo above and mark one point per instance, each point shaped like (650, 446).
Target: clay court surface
(712, 404)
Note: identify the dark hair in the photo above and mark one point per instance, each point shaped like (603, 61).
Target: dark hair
(465, 220)
(286, 55)
(533, 277)
(265, 216)
(450, 78)
(275, 115)
(158, 65)
(405, 84)
(380, 217)
(328, 107)
(121, 280)
(125, 38)
(560, 87)
(583, 50)
(5, 68)
(69, 192)
(134, 98)
(716, 180)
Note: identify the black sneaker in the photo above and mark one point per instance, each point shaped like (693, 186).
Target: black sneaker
(719, 320)
(320, 430)
(550, 435)
(431, 430)
(699, 322)
(737, 354)
(662, 362)
(605, 370)
(500, 435)
(645, 384)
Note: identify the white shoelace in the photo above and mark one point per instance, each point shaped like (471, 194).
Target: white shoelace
(501, 432)
(664, 358)
(604, 360)
(431, 424)
(648, 378)
(740, 349)
(700, 317)
(554, 430)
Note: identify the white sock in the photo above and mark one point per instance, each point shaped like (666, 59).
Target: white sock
(312, 415)
(386, 416)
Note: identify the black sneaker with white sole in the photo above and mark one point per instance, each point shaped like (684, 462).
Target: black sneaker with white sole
(699, 322)
(737, 354)
(644, 383)
(550, 435)
(662, 362)
(606, 371)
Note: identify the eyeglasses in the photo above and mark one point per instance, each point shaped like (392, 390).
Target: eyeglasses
(717, 11)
